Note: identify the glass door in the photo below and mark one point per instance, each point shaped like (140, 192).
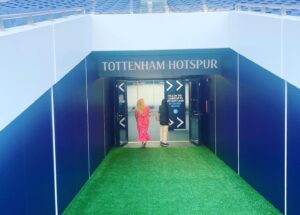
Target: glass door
(153, 91)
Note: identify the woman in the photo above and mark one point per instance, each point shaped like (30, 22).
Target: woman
(142, 115)
(163, 115)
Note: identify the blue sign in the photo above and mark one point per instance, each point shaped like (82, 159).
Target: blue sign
(175, 95)
(158, 64)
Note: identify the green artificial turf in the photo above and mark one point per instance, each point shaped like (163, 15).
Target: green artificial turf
(167, 181)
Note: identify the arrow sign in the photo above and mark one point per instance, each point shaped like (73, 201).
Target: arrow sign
(180, 85)
(122, 122)
(181, 122)
(171, 122)
(175, 95)
(120, 87)
(170, 85)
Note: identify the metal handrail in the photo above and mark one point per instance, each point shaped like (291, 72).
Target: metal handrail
(29, 16)
(264, 7)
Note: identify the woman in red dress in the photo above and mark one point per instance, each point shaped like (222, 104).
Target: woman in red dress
(142, 116)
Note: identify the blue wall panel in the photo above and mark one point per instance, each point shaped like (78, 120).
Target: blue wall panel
(226, 111)
(207, 93)
(96, 111)
(109, 113)
(26, 167)
(293, 177)
(262, 131)
(71, 134)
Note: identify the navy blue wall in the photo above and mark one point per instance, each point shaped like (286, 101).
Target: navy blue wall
(262, 131)
(27, 175)
(96, 114)
(109, 113)
(96, 122)
(71, 134)
(226, 111)
(26, 167)
(207, 89)
(293, 153)
(78, 151)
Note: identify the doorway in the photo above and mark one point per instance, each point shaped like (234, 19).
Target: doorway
(153, 91)
(186, 100)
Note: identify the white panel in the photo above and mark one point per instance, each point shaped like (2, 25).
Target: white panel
(258, 38)
(131, 95)
(159, 93)
(291, 50)
(187, 96)
(26, 69)
(72, 43)
(151, 93)
(160, 31)
(145, 91)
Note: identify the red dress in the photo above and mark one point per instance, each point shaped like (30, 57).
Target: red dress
(143, 124)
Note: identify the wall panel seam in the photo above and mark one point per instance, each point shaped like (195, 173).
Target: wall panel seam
(285, 147)
(87, 116)
(215, 107)
(238, 111)
(53, 123)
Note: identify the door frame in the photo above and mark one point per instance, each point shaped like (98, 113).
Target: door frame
(117, 113)
(199, 107)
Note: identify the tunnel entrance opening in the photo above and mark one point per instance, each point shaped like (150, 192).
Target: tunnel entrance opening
(189, 103)
(184, 77)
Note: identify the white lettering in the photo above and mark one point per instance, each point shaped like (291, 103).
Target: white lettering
(214, 64)
(179, 64)
(199, 63)
(137, 65)
(130, 65)
(206, 64)
(111, 66)
(172, 64)
(160, 65)
(104, 65)
(193, 64)
(144, 65)
(186, 64)
(124, 65)
(152, 65)
(118, 66)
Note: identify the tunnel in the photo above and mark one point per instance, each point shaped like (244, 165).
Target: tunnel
(70, 80)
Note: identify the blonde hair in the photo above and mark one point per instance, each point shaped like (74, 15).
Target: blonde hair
(140, 106)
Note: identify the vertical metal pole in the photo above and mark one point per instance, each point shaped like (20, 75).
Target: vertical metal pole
(30, 20)
(283, 11)
(1, 25)
(153, 94)
(167, 8)
(94, 7)
(205, 8)
(50, 18)
(131, 7)
(237, 7)
(149, 5)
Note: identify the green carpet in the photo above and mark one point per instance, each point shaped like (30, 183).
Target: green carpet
(167, 181)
